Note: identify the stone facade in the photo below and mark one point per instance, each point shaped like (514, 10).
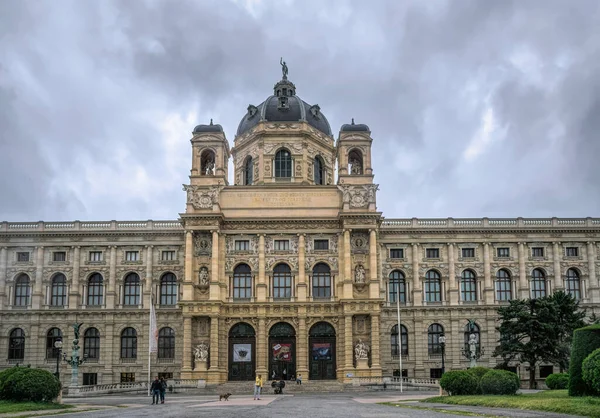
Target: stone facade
(289, 270)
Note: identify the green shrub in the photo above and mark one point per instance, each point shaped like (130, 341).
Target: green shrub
(499, 382)
(25, 384)
(585, 340)
(4, 375)
(478, 372)
(557, 381)
(459, 382)
(591, 370)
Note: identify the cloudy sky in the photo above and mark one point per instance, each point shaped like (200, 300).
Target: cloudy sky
(477, 108)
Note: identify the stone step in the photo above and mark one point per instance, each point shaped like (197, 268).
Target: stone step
(320, 386)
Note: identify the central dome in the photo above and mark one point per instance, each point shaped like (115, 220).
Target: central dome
(284, 106)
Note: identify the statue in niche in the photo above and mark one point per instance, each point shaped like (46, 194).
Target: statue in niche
(201, 352)
(355, 167)
(361, 350)
(359, 274)
(203, 276)
(473, 346)
(210, 168)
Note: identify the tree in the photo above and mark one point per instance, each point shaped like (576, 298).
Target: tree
(538, 330)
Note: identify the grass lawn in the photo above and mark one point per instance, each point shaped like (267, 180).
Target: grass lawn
(10, 407)
(550, 401)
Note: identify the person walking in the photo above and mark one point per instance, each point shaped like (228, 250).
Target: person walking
(299, 379)
(155, 389)
(163, 389)
(257, 387)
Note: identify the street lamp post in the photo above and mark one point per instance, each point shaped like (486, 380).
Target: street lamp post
(58, 347)
(442, 340)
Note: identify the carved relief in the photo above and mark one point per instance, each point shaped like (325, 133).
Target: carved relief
(270, 148)
(203, 244)
(201, 198)
(359, 241)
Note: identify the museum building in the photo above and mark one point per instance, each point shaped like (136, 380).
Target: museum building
(290, 270)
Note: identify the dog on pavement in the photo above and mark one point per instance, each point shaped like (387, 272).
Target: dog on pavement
(224, 396)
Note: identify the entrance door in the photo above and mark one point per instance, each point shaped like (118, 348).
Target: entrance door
(242, 352)
(322, 352)
(282, 354)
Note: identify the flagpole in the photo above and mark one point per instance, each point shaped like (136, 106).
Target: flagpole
(150, 339)
(399, 331)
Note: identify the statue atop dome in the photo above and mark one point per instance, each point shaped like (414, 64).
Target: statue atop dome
(284, 68)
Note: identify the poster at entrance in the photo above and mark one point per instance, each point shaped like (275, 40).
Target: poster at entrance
(282, 352)
(321, 351)
(242, 353)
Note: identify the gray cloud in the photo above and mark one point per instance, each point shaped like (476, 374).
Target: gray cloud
(476, 108)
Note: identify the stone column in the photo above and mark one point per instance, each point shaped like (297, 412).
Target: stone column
(453, 292)
(523, 292)
(302, 348)
(74, 296)
(186, 362)
(262, 351)
(3, 265)
(348, 346)
(558, 279)
(38, 294)
(213, 372)
(107, 354)
(148, 290)
(488, 295)
(261, 288)
(347, 277)
(593, 290)
(111, 293)
(188, 279)
(375, 350)
(374, 282)
(301, 293)
(215, 287)
(417, 289)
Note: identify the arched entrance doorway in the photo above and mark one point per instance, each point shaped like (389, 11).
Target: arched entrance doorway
(282, 354)
(242, 352)
(322, 351)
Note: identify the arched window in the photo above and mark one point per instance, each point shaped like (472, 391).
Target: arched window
(207, 163)
(573, 284)
(131, 290)
(503, 285)
(435, 331)
(321, 281)
(468, 286)
(355, 161)
(394, 340)
(58, 295)
(397, 281)
(282, 281)
(91, 344)
(129, 343)
(22, 290)
(242, 282)
(283, 164)
(319, 168)
(248, 172)
(467, 335)
(168, 289)
(433, 286)
(95, 290)
(166, 343)
(54, 335)
(538, 284)
(16, 344)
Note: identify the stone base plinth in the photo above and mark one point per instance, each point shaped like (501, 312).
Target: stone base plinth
(362, 364)
(200, 366)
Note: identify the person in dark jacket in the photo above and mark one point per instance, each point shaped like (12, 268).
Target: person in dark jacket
(163, 389)
(155, 389)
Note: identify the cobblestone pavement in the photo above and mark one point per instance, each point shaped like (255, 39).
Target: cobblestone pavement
(346, 405)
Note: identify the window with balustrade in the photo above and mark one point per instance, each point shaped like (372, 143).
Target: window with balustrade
(433, 286)
(131, 290)
(282, 281)
(321, 281)
(22, 291)
(168, 289)
(95, 290)
(468, 286)
(538, 284)
(58, 290)
(397, 285)
(242, 282)
(503, 285)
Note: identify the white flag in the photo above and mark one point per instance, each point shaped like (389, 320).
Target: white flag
(153, 329)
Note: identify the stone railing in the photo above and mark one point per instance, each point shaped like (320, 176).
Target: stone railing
(407, 381)
(416, 223)
(92, 390)
(89, 226)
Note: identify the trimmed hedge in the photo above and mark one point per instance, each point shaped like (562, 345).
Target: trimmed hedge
(4, 375)
(459, 382)
(591, 370)
(557, 381)
(499, 382)
(478, 372)
(25, 384)
(585, 340)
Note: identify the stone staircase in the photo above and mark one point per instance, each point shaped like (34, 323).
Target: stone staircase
(291, 388)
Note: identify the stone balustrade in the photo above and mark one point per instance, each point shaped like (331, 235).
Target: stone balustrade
(492, 223)
(91, 390)
(89, 226)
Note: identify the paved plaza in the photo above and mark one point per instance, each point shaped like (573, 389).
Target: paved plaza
(304, 405)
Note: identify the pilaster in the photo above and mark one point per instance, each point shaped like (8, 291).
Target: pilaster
(38, 296)
(374, 282)
(112, 278)
(74, 293)
(347, 279)
(488, 290)
(558, 280)
(302, 348)
(593, 287)
(215, 288)
(214, 371)
(261, 288)
(453, 291)
(348, 349)
(301, 286)
(262, 351)
(3, 265)
(148, 282)
(187, 346)
(523, 292)
(375, 349)
(188, 286)
(417, 299)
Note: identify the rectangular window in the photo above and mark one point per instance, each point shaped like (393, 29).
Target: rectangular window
(132, 256)
(242, 245)
(95, 256)
(397, 253)
(90, 379)
(59, 256)
(468, 252)
(435, 373)
(396, 373)
(167, 256)
(546, 371)
(127, 377)
(537, 251)
(165, 375)
(432, 253)
(23, 257)
(572, 252)
(282, 245)
(321, 244)
(503, 252)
